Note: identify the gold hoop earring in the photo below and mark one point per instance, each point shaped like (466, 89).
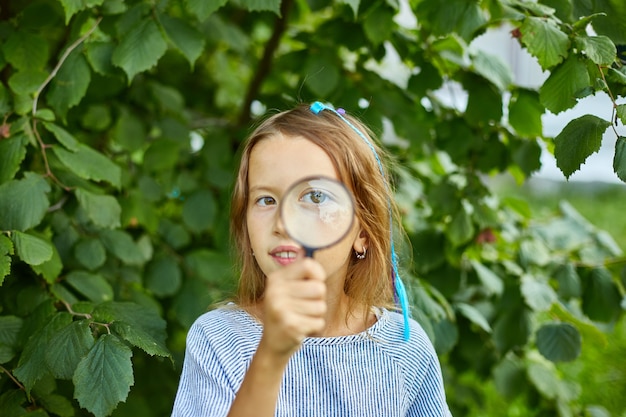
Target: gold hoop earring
(361, 256)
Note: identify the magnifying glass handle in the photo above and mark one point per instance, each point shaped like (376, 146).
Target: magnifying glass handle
(308, 252)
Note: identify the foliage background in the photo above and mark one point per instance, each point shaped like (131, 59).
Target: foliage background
(122, 121)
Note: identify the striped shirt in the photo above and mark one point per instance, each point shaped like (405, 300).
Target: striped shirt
(374, 373)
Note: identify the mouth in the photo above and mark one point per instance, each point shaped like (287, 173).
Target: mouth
(284, 256)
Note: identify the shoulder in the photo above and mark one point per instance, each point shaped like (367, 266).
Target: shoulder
(415, 353)
(223, 328)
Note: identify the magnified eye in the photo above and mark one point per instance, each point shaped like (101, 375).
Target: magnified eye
(316, 197)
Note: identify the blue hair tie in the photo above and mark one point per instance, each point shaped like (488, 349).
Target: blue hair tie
(399, 288)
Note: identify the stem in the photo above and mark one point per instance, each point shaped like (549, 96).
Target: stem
(44, 155)
(614, 110)
(73, 313)
(67, 53)
(6, 371)
(265, 64)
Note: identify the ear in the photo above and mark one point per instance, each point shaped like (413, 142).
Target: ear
(361, 241)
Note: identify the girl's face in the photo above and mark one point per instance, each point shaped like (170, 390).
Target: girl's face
(276, 163)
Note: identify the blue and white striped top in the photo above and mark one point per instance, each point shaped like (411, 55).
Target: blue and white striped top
(375, 373)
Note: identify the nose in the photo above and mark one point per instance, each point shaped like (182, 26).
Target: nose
(279, 227)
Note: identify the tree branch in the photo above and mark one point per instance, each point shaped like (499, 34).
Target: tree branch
(265, 65)
(67, 53)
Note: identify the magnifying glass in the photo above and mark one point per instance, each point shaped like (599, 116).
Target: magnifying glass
(317, 212)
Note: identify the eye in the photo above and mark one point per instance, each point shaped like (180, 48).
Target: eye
(315, 197)
(265, 201)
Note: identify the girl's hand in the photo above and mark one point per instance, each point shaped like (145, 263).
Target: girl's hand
(294, 306)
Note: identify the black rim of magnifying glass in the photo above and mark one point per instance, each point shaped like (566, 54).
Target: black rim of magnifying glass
(308, 251)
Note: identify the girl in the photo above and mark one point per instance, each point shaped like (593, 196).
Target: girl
(311, 336)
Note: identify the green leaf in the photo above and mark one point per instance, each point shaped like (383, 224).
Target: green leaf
(544, 40)
(600, 49)
(484, 104)
(103, 210)
(63, 136)
(511, 329)
(579, 139)
(55, 404)
(31, 249)
(568, 281)
(6, 250)
(461, 229)
(11, 401)
(174, 234)
(619, 160)
(121, 244)
(204, 8)
(93, 286)
(323, 75)
(453, 16)
(129, 131)
(492, 283)
(71, 7)
(587, 328)
(187, 39)
(5, 99)
(509, 377)
(209, 265)
(32, 364)
(70, 84)
(96, 117)
(90, 164)
(446, 336)
(538, 295)
(162, 155)
(163, 276)
(23, 203)
(12, 153)
(601, 297)
(544, 378)
(525, 111)
(26, 82)
(492, 68)
(199, 211)
(559, 342)
(379, 24)
(45, 115)
(140, 49)
(90, 253)
(67, 347)
(560, 91)
(474, 315)
(144, 322)
(354, 5)
(103, 378)
(26, 50)
(99, 56)
(140, 338)
(10, 327)
(51, 268)
(621, 112)
(262, 5)
(534, 252)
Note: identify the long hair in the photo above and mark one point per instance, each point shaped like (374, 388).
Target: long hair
(368, 281)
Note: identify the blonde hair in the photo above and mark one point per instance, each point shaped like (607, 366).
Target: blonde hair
(368, 281)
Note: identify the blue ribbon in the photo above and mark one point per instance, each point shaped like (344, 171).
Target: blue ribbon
(399, 287)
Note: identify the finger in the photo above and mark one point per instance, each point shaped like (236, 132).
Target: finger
(305, 269)
(306, 290)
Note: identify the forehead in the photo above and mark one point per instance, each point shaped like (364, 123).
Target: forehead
(281, 160)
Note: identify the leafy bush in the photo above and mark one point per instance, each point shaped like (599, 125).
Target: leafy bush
(122, 120)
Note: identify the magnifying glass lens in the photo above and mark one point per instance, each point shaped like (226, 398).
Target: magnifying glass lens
(317, 212)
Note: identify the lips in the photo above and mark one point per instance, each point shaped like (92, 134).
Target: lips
(285, 255)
